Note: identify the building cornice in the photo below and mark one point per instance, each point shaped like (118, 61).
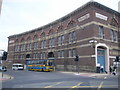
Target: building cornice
(89, 4)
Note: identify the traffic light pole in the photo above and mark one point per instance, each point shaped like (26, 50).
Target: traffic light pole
(77, 64)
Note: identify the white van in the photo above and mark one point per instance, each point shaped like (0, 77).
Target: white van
(17, 66)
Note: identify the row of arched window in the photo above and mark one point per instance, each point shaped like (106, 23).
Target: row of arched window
(43, 55)
(72, 23)
(47, 43)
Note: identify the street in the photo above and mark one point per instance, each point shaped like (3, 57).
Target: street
(32, 79)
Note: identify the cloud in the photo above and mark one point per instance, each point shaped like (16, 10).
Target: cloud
(22, 1)
(3, 46)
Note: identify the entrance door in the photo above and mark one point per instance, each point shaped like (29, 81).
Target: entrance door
(101, 58)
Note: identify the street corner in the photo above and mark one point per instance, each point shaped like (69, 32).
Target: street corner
(4, 77)
(104, 76)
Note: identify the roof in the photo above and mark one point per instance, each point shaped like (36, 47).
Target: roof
(91, 3)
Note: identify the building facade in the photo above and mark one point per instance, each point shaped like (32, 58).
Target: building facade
(90, 32)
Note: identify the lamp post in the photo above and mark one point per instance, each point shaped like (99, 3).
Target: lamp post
(77, 65)
(93, 44)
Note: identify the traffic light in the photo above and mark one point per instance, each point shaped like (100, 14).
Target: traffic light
(76, 58)
(4, 57)
(117, 59)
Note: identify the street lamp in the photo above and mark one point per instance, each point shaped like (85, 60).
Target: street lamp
(93, 43)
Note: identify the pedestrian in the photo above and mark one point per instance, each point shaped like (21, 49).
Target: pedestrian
(101, 68)
(110, 69)
(114, 72)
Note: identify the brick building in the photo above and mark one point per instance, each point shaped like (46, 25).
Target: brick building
(91, 32)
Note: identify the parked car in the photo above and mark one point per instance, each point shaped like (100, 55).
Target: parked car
(3, 68)
(17, 66)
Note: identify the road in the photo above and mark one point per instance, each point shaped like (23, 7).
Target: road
(32, 79)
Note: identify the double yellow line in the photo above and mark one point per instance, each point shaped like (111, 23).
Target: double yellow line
(78, 85)
(53, 85)
(100, 86)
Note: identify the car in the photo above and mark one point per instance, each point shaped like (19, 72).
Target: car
(3, 68)
(17, 66)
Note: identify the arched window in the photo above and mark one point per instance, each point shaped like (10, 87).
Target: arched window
(35, 37)
(43, 34)
(22, 40)
(28, 38)
(71, 23)
(28, 45)
(114, 22)
(60, 28)
(51, 31)
(16, 41)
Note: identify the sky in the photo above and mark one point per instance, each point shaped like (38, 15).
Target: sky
(18, 16)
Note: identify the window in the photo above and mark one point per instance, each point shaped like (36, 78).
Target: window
(17, 48)
(59, 54)
(101, 32)
(52, 42)
(35, 55)
(42, 55)
(35, 45)
(72, 53)
(22, 48)
(30, 46)
(43, 44)
(62, 53)
(72, 37)
(61, 40)
(113, 35)
(49, 42)
(21, 57)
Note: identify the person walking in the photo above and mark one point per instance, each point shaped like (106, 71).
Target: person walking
(102, 68)
(110, 69)
(114, 70)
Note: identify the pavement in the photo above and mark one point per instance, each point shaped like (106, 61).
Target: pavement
(5, 77)
(84, 74)
(93, 75)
